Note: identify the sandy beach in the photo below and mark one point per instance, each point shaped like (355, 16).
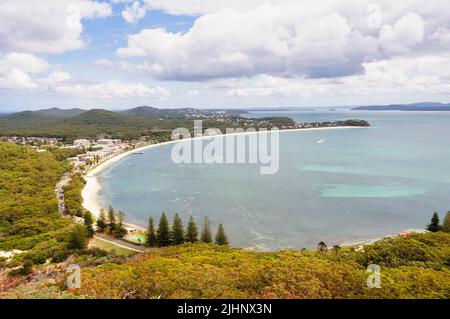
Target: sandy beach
(92, 187)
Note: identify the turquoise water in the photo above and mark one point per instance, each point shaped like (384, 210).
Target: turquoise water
(332, 186)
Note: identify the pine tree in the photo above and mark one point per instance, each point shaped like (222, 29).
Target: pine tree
(434, 226)
(163, 232)
(191, 231)
(101, 222)
(221, 237)
(111, 221)
(177, 231)
(88, 221)
(78, 237)
(120, 230)
(150, 239)
(446, 223)
(206, 235)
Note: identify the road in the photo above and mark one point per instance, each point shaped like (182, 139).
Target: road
(59, 190)
(120, 242)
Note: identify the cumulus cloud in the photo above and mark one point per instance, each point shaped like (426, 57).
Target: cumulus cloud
(403, 35)
(46, 26)
(16, 70)
(134, 12)
(61, 82)
(442, 36)
(104, 63)
(400, 77)
(267, 39)
(281, 38)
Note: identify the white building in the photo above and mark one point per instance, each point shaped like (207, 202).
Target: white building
(82, 143)
(108, 142)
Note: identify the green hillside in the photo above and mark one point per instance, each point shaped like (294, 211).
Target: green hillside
(61, 113)
(29, 218)
(413, 267)
(28, 117)
(101, 117)
(143, 111)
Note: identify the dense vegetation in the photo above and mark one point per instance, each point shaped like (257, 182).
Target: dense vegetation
(29, 218)
(72, 195)
(97, 123)
(113, 224)
(414, 267)
(90, 124)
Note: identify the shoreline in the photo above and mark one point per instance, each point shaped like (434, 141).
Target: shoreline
(92, 186)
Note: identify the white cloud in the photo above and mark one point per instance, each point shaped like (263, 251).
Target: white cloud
(442, 36)
(400, 77)
(403, 35)
(267, 39)
(194, 93)
(46, 26)
(390, 10)
(288, 39)
(16, 70)
(134, 13)
(104, 63)
(61, 82)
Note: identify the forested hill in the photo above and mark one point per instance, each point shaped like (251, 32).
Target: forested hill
(60, 112)
(29, 218)
(129, 124)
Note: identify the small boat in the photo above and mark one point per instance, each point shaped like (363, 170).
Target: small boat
(320, 141)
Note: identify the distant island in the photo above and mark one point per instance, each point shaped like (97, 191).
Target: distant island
(424, 106)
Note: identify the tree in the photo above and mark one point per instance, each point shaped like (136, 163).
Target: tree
(434, 225)
(206, 235)
(151, 239)
(221, 237)
(336, 248)
(119, 230)
(111, 220)
(446, 223)
(88, 221)
(177, 231)
(101, 222)
(191, 231)
(163, 232)
(78, 237)
(322, 246)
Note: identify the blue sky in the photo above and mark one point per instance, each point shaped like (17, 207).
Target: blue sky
(202, 53)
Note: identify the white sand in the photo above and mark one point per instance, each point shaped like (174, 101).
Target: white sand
(92, 187)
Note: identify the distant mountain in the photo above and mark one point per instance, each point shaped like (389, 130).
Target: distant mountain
(166, 114)
(61, 112)
(424, 106)
(28, 116)
(101, 117)
(143, 111)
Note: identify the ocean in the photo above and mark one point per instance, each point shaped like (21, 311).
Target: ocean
(333, 185)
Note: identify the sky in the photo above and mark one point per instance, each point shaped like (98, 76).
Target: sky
(222, 53)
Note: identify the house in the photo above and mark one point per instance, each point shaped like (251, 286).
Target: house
(404, 234)
(82, 143)
(108, 142)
